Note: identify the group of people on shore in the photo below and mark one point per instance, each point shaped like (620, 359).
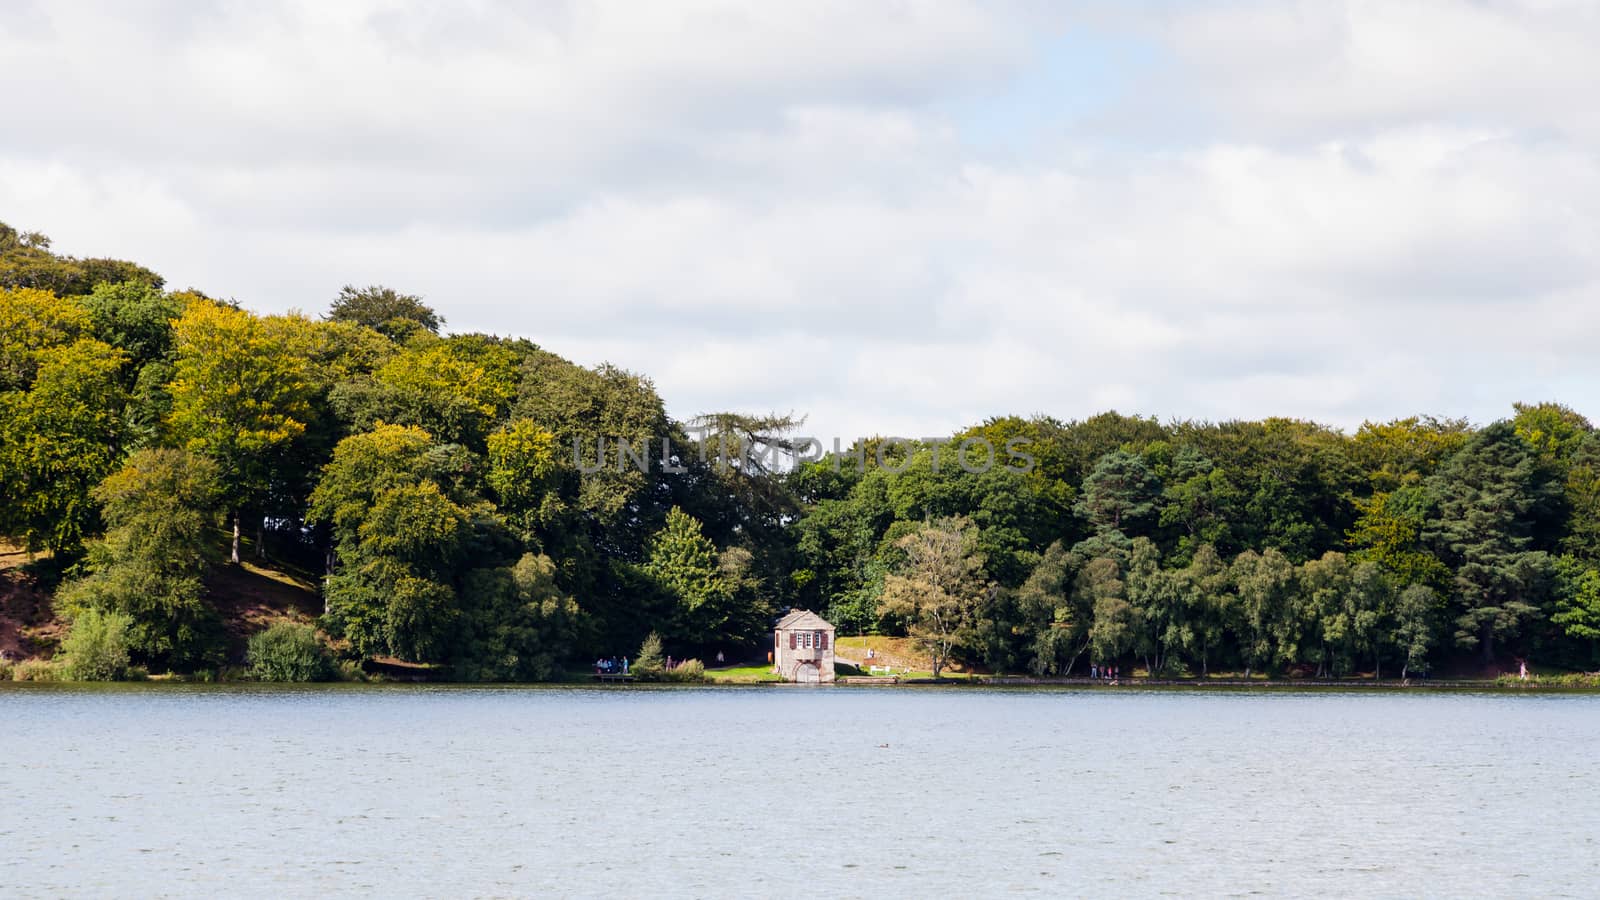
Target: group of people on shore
(610, 665)
(1098, 672)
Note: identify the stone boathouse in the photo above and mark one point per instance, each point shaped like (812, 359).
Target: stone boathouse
(802, 648)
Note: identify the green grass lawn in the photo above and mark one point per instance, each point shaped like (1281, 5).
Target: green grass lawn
(752, 673)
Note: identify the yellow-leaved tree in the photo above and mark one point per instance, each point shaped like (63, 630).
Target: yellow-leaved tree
(239, 395)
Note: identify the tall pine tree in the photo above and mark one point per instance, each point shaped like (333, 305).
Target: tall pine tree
(1488, 498)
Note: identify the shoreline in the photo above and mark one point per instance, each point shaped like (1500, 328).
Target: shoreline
(1018, 684)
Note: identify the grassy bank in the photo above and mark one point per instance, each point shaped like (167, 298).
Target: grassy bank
(757, 673)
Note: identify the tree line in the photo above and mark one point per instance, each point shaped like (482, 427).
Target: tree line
(433, 481)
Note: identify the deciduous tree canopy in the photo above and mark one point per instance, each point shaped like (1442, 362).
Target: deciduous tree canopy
(481, 503)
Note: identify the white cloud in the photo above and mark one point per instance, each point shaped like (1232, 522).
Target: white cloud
(1303, 67)
(1363, 210)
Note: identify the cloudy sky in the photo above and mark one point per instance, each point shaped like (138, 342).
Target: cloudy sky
(894, 217)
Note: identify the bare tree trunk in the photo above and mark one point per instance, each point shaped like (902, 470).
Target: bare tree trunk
(235, 537)
(1072, 663)
(261, 538)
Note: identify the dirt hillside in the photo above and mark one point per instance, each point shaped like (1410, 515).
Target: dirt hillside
(249, 597)
(28, 627)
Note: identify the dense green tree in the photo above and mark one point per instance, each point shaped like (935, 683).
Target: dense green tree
(1120, 493)
(31, 323)
(524, 466)
(57, 441)
(582, 407)
(1488, 497)
(1388, 532)
(1582, 500)
(1036, 445)
(1415, 626)
(838, 541)
(1402, 452)
(1577, 610)
(517, 624)
(751, 609)
(239, 394)
(404, 530)
(685, 568)
(1080, 445)
(1290, 484)
(1209, 606)
(1157, 597)
(1269, 623)
(1115, 625)
(26, 261)
(1195, 501)
(1054, 620)
(1552, 431)
(136, 318)
(457, 388)
(387, 311)
(1324, 586)
(160, 510)
(1555, 434)
(1345, 605)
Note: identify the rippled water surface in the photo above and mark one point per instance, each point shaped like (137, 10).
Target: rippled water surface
(406, 791)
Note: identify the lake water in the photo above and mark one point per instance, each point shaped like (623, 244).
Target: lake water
(790, 792)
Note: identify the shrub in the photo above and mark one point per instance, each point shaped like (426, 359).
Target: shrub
(288, 651)
(1567, 679)
(37, 670)
(350, 670)
(690, 670)
(97, 647)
